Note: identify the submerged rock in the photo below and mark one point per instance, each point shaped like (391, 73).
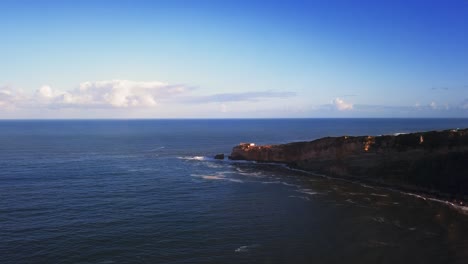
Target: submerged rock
(219, 156)
(435, 161)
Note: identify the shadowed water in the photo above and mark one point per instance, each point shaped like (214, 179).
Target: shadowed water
(148, 191)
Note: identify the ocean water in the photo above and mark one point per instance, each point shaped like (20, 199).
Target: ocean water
(148, 191)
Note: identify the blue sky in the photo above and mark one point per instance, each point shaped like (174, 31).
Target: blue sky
(224, 59)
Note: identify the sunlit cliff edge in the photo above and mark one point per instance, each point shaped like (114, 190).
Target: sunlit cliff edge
(434, 162)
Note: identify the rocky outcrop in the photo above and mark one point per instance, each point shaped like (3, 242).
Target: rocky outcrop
(435, 162)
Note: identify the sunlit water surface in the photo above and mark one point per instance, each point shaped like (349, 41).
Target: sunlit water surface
(148, 191)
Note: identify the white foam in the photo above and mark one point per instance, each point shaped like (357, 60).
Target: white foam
(461, 208)
(155, 149)
(280, 182)
(235, 180)
(271, 182)
(216, 177)
(307, 191)
(251, 174)
(367, 186)
(193, 158)
(213, 177)
(288, 184)
(244, 249)
(213, 165)
(225, 172)
(300, 197)
(354, 193)
(379, 195)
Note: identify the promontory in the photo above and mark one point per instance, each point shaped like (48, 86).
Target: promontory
(434, 162)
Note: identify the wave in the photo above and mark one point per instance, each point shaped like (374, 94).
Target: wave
(213, 165)
(217, 177)
(251, 174)
(271, 182)
(308, 191)
(247, 248)
(199, 158)
(280, 182)
(355, 193)
(289, 184)
(379, 195)
(155, 149)
(235, 180)
(367, 186)
(460, 208)
(213, 177)
(300, 197)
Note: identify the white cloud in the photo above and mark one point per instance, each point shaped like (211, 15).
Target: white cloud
(9, 98)
(46, 92)
(5, 97)
(110, 94)
(124, 94)
(341, 105)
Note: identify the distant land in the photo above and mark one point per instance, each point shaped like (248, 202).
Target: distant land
(433, 163)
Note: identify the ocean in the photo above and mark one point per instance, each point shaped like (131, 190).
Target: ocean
(149, 191)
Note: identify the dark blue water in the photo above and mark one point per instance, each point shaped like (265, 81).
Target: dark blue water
(147, 191)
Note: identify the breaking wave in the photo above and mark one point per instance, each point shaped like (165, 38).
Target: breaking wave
(193, 158)
(217, 177)
(247, 248)
(308, 191)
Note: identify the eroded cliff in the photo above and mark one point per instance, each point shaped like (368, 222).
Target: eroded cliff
(435, 161)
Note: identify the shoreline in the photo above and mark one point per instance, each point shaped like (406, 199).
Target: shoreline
(432, 164)
(420, 194)
(462, 208)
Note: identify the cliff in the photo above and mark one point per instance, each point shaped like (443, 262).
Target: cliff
(434, 162)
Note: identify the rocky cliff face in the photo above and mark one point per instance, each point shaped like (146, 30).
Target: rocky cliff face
(435, 161)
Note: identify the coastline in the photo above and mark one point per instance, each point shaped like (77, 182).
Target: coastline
(421, 194)
(431, 163)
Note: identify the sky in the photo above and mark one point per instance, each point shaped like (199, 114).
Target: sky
(233, 59)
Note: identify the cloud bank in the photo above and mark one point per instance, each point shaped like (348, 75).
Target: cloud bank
(123, 94)
(6, 97)
(109, 94)
(153, 99)
(10, 98)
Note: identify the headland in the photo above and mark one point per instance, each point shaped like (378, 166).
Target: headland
(434, 162)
